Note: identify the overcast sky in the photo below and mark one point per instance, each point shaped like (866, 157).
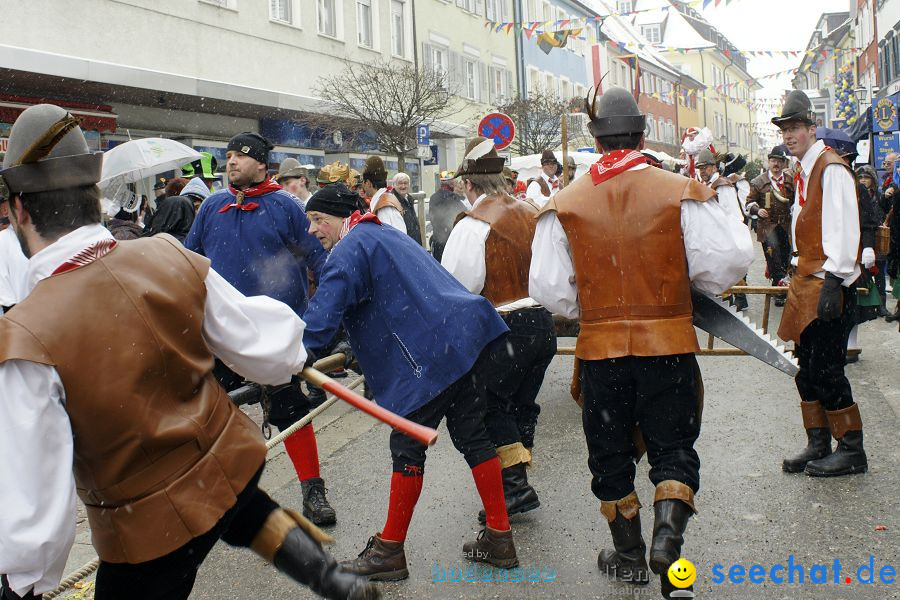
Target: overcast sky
(771, 25)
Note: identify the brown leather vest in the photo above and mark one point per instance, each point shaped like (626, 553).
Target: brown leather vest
(630, 266)
(801, 307)
(388, 199)
(508, 246)
(761, 192)
(160, 451)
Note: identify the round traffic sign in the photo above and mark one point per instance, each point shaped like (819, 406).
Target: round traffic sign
(498, 127)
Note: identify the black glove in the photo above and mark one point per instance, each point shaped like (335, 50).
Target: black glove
(343, 347)
(830, 298)
(310, 358)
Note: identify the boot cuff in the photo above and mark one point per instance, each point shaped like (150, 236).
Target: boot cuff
(842, 421)
(278, 524)
(513, 454)
(628, 507)
(675, 490)
(813, 415)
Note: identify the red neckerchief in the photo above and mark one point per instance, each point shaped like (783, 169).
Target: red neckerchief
(888, 181)
(355, 219)
(798, 180)
(259, 189)
(86, 256)
(554, 183)
(615, 162)
(779, 181)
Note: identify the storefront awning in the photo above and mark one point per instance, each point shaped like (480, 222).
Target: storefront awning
(94, 117)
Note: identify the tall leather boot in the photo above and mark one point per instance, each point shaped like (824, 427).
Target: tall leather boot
(628, 561)
(673, 505)
(293, 545)
(380, 560)
(818, 438)
(849, 457)
(315, 503)
(519, 495)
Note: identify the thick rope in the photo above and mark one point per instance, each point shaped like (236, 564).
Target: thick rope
(89, 568)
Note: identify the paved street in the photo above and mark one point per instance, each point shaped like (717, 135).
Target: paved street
(750, 512)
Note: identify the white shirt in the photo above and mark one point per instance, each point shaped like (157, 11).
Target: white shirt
(533, 191)
(258, 337)
(840, 217)
(465, 257)
(387, 215)
(13, 266)
(718, 248)
(728, 198)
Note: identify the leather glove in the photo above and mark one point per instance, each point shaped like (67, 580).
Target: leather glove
(310, 358)
(830, 298)
(868, 258)
(343, 347)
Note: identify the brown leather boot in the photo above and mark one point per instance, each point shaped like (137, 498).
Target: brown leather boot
(381, 560)
(818, 437)
(627, 562)
(850, 457)
(292, 544)
(492, 547)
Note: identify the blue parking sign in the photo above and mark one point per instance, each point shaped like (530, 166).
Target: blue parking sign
(423, 133)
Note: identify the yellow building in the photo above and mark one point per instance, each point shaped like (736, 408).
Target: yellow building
(724, 107)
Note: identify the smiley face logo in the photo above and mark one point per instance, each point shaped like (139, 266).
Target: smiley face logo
(682, 573)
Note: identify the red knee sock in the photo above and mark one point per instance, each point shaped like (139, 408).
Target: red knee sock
(489, 482)
(301, 447)
(405, 490)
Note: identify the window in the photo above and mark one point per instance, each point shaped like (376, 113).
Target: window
(364, 23)
(651, 127)
(529, 7)
(470, 79)
(500, 81)
(625, 6)
(496, 10)
(280, 10)
(565, 89)
(327, 17)
(232, 4)
(550, 85)
(548, 13)
(661, 130)
(534, 80)
(651, 32)
(398, 27)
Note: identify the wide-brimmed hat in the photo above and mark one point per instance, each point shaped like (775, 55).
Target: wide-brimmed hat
(480, 158)
(290, 168)
(797, 107)
(616, 113)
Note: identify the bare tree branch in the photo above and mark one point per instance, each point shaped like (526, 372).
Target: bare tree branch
(384, 100)
(538, 121)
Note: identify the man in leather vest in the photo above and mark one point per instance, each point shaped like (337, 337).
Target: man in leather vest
(770, 198)
(489, 252)
(544, 186)
(389, 209)
(106, 369)
(620, 248)
(820, 309)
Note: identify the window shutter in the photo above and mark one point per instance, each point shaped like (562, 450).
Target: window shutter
(479, 7)
(427, 57)
(483, 82)
(508, 85)
(491, 15)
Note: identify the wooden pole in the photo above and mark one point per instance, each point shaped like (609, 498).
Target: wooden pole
(565, 149)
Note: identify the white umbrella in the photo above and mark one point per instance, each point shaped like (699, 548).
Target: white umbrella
(139, 159)
(530, 166)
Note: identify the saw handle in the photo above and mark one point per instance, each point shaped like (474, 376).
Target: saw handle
(420, 433)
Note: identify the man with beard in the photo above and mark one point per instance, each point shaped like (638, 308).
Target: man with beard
(255, 234)
(771, 194)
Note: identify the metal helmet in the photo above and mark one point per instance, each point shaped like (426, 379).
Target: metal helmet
(797, 107)
(617, 113)
(706, 157)
(47, 151)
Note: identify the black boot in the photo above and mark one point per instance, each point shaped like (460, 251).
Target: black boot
(849, 457)
(519, 495)
(316, 396)
(818, 438)
(315, 503)
(381, 560)
(671, 517)
(295, 553)
(628, 561)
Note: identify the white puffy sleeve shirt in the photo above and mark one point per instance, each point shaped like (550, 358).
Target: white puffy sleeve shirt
(258, 337)
(387, 215)
(718, 248)
(840, 217)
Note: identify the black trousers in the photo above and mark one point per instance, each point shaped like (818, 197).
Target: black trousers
(656, 393)
(777, 249)
(288, 405)
(822, 355)
(465, 412)
(171, 577)
(513, 375)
